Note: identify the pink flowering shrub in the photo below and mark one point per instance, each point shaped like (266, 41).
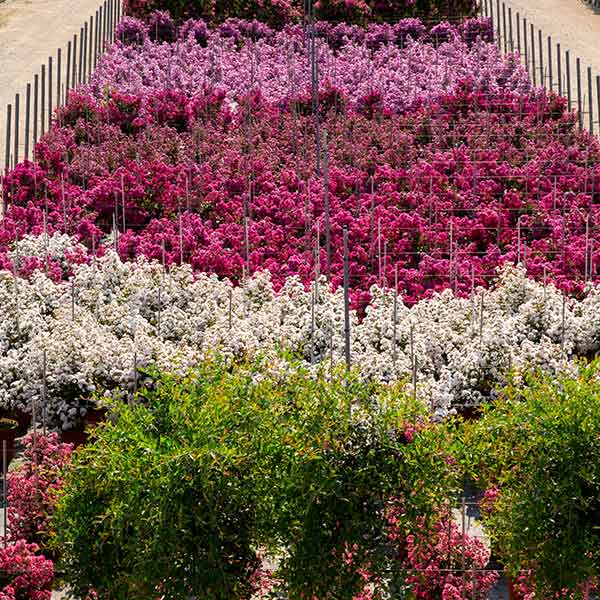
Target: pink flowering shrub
(24, 574)
(407, 65)
(490, 497)
(277, 12)
(525, 588)
(32, 487)
(436, 557)
(432, 194)
(131, 31)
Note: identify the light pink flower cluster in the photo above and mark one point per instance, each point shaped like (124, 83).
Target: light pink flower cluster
(438, 556)
(406, 76)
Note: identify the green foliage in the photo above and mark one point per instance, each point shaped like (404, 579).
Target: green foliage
(540, 448)
(179, 494)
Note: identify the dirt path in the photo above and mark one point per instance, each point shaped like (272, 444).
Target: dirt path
(30, 32)
(571, 22)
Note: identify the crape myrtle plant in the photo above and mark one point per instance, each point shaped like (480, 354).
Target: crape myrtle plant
(406, 63)
(433, 195)
(24, 573)
(281, 12)
(536, 452)
(32, 487)
(201, 471)
(131, 31)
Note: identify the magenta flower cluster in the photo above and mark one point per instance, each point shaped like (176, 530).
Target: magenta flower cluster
(30, 575)
(442, 196)
(33, 486)
(280, 12)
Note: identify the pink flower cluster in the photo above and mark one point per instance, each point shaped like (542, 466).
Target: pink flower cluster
(432, 559)
(525, 588)
(24, 573)
(437, 557)
(279, 12)
(443, 195)
(32, 487)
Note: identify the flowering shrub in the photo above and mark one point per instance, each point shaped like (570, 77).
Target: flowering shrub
(32, 487)
(438, 555)
(161, 27)
(24, 573)
(279, 12)
(119, 315)
(131, 31)
(406, 71)
(409, 198)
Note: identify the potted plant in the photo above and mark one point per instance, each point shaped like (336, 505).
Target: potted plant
(22, 418)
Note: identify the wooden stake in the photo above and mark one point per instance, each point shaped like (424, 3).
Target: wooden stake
(564, 303)
(481, 319)
(115, 234)
(17, 123)
(123, 200)
(44, 392)
(4, 491)
(395, 318)
(159, 307)
(72, 298)
(346, 300)
(413, 362)
(587, 241)
(27, 119)
(326, 203)
(379, 249)
(180, 240)
(312, 327)
(230, 312)
(16, 288)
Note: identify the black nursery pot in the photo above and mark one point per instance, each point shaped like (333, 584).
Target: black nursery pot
(77, 437)
(95, 416)
(8, 433)
(22, 418)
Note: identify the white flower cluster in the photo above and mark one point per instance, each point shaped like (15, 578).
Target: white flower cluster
(114, 318)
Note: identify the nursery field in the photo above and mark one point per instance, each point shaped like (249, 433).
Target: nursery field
(290, 294)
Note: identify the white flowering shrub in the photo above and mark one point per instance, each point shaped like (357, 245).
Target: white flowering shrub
(119, 317)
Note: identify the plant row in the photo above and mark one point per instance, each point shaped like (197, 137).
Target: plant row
(406, 64)
(281, 12)
(161, 28)
(443, 196)
(117, 319)
(238, 481)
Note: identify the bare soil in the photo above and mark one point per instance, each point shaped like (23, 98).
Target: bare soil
(30, 32)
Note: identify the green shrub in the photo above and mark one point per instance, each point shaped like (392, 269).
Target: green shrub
(538, 451)
(178, 496)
